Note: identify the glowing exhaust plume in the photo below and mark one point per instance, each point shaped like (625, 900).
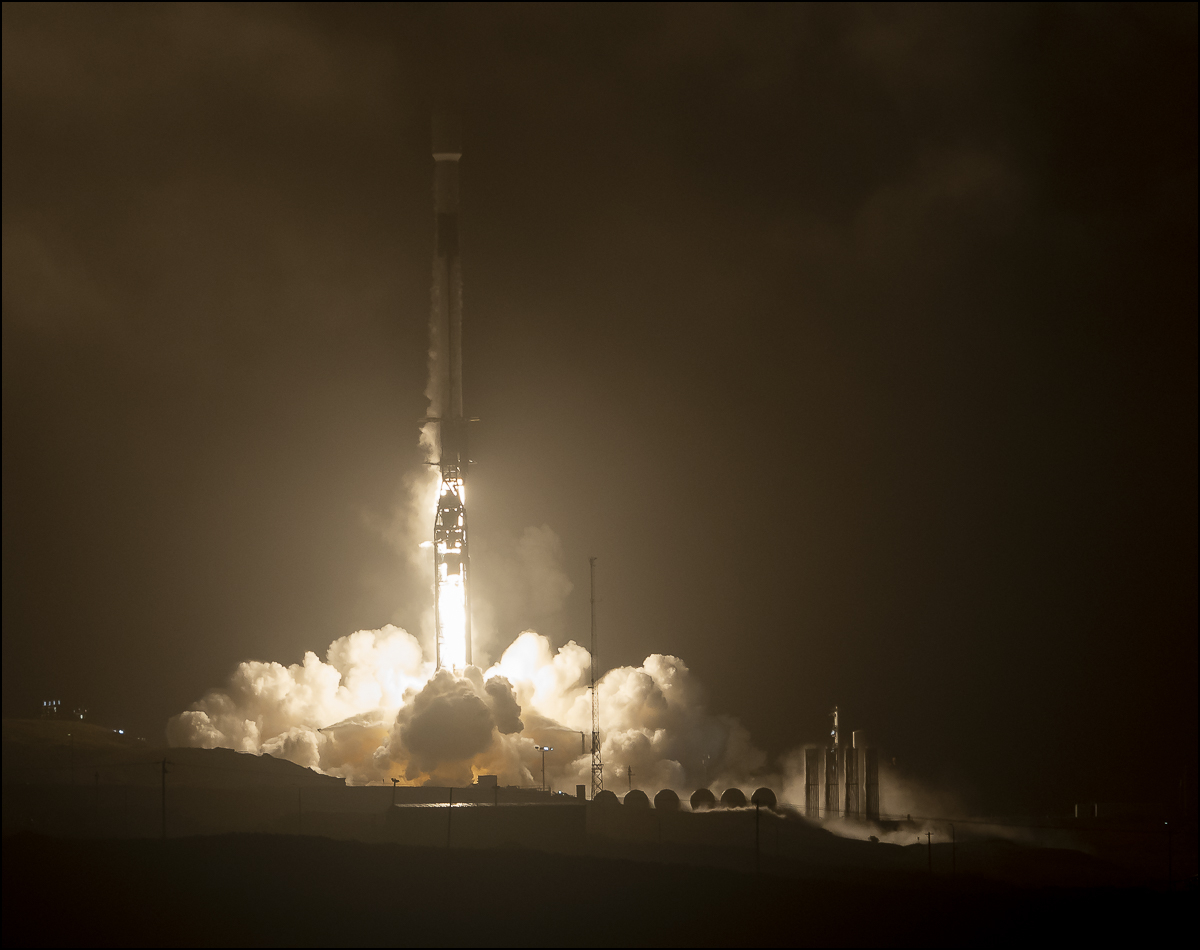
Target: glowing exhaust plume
(451, 567)
(452, 617)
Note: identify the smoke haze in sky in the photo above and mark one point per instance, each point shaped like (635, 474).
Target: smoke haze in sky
(909, 291)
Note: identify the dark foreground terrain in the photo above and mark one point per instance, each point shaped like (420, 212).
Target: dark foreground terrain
(232, 890)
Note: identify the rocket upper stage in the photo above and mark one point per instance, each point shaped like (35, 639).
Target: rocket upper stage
(447, 290)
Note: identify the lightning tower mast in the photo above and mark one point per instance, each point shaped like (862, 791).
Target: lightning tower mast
(597, 763)
(451, 560)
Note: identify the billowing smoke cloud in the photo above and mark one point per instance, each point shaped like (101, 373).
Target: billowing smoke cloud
(506, 712)
(447, 723)
(375, 709)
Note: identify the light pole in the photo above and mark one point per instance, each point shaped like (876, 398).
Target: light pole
(544, 749)
(756, 837)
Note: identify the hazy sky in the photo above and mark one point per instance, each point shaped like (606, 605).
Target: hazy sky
(858, 343)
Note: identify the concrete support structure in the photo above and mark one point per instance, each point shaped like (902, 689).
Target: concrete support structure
(871, 782)
(832, 789)
(852, 772)
(833, 768)
(812, 783)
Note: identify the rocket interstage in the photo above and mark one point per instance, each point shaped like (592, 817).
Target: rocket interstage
(451, 557)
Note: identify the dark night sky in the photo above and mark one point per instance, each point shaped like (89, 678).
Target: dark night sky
(859, 343)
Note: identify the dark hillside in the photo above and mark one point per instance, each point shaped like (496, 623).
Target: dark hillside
(271, 890)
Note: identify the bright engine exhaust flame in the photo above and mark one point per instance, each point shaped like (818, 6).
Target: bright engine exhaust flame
(451, 567)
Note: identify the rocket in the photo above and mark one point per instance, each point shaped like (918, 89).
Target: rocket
(451, 558)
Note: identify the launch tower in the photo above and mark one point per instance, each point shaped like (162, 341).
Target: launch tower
(597, 760)
(451, 559)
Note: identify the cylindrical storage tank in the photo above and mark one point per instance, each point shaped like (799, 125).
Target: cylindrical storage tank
(606, 798)
(637, 799)
(733, 798)
(702, 798)
(812, 783)
(763, 796)
(871, 783)
(666, 800)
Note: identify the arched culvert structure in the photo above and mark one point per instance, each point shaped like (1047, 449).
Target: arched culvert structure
(733, 798)
(765, 797)
(702, 798)
(637, 799)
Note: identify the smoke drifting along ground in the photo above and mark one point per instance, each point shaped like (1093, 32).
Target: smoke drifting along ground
(375, 709)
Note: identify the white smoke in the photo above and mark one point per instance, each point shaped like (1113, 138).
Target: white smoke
(375, 709)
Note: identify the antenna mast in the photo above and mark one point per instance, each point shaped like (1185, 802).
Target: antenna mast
(597, 763)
